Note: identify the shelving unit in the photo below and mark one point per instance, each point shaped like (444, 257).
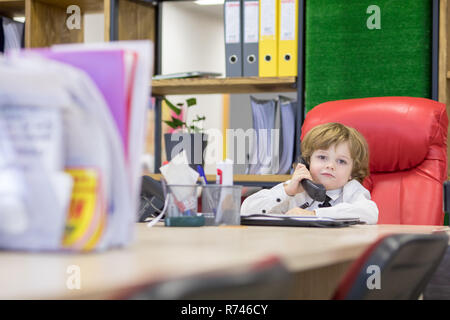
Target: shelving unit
(46, 19)
(248, 85)
(223, 85)
(140, 19)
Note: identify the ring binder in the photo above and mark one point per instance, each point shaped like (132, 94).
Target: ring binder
(268, 43)
(233, 38)
(288, 38)
(250, 25)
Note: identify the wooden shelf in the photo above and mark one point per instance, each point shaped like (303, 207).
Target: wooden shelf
(243, 179)
(85, 5)
(12, 8)
(223, 85)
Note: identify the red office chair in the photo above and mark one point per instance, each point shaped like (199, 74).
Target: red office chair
(395, 267)
(407, 140)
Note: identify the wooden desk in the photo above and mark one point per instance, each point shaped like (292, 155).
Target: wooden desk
(319, 257)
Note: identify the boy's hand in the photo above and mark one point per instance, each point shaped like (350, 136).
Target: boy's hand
(294, 186)
(300, 212)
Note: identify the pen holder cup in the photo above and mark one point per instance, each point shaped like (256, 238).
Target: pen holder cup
(182, 206)
(221, 205)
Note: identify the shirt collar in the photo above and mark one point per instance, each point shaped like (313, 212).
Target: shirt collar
(334, 194)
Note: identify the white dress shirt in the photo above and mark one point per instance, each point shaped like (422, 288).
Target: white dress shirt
(350, 201)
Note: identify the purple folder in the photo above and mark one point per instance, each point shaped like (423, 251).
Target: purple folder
(108, 71)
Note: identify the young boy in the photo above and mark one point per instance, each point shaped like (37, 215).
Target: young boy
(338, 158)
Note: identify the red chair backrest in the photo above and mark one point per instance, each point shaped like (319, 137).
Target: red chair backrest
(407, 140)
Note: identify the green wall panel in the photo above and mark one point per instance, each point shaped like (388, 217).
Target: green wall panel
(345, 59)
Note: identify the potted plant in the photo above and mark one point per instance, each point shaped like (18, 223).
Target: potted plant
(189, 137)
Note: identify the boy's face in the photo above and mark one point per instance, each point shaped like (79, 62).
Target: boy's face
(332, 167)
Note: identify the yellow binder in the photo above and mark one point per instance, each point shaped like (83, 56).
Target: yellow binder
(268, 43)
(288, 38)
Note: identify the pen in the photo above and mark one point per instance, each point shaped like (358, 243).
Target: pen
(202, 174)
(208, 194)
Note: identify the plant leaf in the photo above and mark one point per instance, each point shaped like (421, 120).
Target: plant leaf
(170, 124)
(175, 123)
(198, 119)
(191, 102)
(178, 122)
(172, 107)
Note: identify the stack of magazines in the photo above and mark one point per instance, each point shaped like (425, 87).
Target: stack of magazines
(72, 124)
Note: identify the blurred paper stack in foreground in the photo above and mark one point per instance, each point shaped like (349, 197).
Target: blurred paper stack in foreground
(72, 130)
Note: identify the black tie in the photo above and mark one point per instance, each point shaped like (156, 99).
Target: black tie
(305, 205)
(326, 203)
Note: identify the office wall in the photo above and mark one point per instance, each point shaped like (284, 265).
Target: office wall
(94, 29)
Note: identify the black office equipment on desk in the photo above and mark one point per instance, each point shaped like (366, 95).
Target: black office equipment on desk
(151, 199)
(281, 220)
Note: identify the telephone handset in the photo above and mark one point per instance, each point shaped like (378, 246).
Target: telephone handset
(315, 190)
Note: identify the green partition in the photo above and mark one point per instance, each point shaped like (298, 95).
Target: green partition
(360, 48)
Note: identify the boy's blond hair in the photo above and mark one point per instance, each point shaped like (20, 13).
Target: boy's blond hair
(325, 135)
